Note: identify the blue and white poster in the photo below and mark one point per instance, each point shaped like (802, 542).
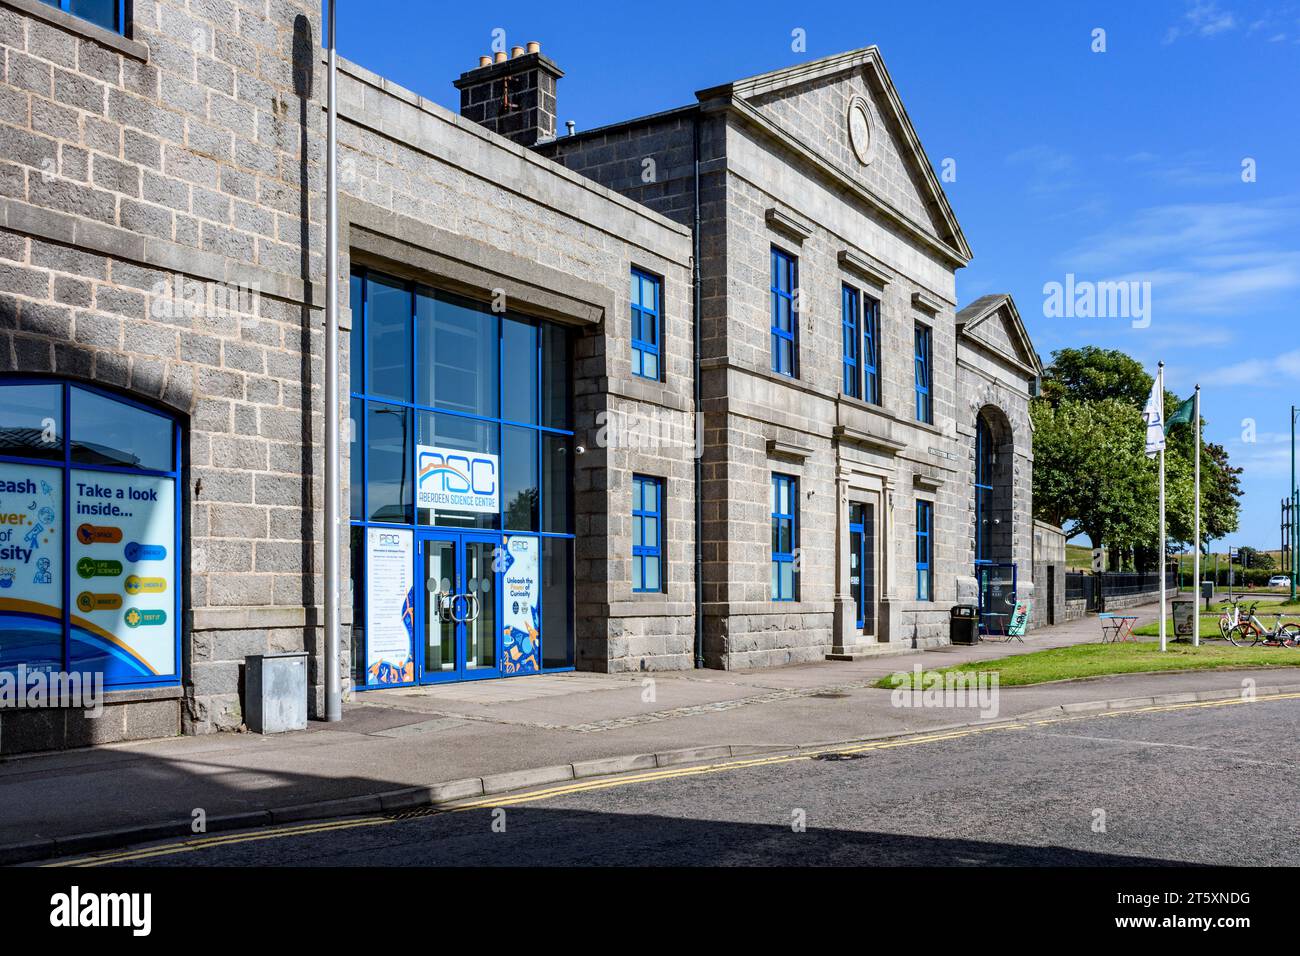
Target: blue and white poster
(31, 567)
(522, 643)
(452, 479)
(390, 607)
(122, 563)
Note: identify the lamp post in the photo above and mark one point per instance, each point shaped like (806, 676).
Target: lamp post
(333, 676)
(1295, 498)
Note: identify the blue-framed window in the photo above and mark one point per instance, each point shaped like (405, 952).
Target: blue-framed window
(850, 309)
(860, 322)
(983, 491)
(90, 491)
(924, 374)
(647, 534)
(109, 14)
(437, 370)
(785, 313)
(785, 538)
(647, 325)
(925, 551)
(870, 350)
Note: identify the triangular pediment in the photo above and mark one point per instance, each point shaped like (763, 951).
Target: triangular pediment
(814, 105)
(994, 322)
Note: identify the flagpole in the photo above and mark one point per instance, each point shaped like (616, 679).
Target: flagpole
(1164, 625)
(1196, 560)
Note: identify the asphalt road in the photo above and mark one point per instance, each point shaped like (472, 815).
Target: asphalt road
(1186, 784)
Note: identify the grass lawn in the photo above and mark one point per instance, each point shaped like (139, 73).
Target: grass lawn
(1096, 660)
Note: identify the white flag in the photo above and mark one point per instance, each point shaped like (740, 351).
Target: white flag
(1154, 416)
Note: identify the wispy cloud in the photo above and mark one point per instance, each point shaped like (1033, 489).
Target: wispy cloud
(1189, 170)
(1262, 372)
(1203, 259)
(1203, 18)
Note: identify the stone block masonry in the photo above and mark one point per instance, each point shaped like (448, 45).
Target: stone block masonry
(161, 234)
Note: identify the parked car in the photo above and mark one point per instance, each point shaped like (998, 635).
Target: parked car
(1279, 581)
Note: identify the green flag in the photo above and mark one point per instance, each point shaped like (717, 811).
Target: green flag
(1184, 414)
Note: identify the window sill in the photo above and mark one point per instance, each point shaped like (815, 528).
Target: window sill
(84, 28)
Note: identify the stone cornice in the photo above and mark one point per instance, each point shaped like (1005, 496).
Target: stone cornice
(794, 227)
(875, 272)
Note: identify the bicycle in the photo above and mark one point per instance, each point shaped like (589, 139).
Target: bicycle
(1251, 631)
(1227, 621)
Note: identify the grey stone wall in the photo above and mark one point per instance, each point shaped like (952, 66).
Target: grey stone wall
(1049, 576)
(187, 151)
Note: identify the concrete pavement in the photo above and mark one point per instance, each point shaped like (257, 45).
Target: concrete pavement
(484, 732)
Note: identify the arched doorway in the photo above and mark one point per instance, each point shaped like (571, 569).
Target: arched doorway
(995, 568)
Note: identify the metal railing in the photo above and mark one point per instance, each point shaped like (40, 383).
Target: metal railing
(1094, 589)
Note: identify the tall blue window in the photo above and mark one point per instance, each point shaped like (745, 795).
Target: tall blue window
(785, 314)
(871, 350)
(785, 537)
(925, 551)
(860, 323)
(983, 491)
(924, 375)
(647, 296)
(109, 14)
(647, 534)
(849, 311)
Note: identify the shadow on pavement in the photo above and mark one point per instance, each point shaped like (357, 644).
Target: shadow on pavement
(538, 836)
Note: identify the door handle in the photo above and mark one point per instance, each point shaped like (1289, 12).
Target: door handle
(478, 608)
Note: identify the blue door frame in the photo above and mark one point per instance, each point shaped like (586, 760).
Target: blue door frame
(461, 608)
(858, 547)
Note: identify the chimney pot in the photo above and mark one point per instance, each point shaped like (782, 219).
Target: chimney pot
(512, 93)
(570, 126)
(534, 46)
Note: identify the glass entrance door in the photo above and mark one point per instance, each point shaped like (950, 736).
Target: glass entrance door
(460, 607)
(997, 593)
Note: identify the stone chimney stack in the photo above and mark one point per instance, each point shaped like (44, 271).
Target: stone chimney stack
(513, 95)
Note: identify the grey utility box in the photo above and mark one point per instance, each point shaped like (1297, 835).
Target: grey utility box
(275, 692)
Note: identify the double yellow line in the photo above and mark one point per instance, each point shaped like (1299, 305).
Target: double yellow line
(625, 780)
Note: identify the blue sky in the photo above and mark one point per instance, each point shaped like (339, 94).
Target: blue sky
(1123, 164)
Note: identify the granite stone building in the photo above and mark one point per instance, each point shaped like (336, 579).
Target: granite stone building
(852, 414)
(692, 389)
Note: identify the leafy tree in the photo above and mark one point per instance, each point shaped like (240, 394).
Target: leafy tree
(1092, 374)
(1091, 475)
(1255, 559)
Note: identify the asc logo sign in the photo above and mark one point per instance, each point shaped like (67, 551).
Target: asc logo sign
(448, 479)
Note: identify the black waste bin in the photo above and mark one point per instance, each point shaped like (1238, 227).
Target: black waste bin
(964, 626)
